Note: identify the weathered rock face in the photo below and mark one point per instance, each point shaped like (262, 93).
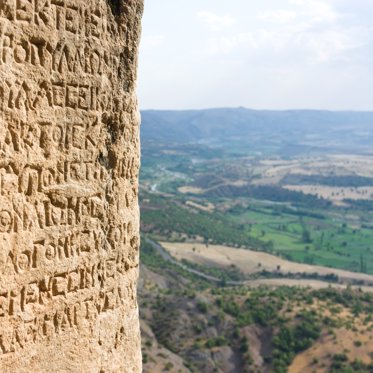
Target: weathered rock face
(69, 162)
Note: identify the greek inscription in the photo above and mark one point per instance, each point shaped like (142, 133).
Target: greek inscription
(68, 184)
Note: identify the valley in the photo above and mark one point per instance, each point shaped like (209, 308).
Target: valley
(278, 207)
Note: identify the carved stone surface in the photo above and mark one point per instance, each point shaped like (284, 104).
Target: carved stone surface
(69, 162)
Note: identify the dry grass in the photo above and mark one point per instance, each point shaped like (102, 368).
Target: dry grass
(272, 171)
(329, 345)
(314, 284)
(334, 193)
(318, 358)
(209, 208)
(249, 262)
(190, 189)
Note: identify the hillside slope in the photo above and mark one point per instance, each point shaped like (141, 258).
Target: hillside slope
(190, 325)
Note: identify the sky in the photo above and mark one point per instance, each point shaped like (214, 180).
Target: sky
(260, 54)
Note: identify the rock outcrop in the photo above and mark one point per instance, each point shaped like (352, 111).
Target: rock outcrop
(69, 162)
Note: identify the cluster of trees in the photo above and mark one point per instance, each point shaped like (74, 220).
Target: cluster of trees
(231, 273)
(356, 302)
(253, 311)
(292, 340)
(341, 364)
(343, 181)
(361, 204)
(166, 217)
(269, 193)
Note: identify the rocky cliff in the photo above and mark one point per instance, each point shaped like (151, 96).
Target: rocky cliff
(69, 162)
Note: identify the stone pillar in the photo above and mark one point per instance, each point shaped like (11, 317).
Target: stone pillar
(69, 163)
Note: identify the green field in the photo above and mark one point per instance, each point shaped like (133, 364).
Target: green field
(325, 241)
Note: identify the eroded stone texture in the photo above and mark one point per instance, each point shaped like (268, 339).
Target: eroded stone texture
(69, 162)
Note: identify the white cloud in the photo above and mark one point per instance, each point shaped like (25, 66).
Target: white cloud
(335, 43)
(316, 10)
(309, 11)
(226, 44)
(318, 46)
(313, 29)
(215, 22)
(282, 16)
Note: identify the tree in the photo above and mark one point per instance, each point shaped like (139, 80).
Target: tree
(306, 235)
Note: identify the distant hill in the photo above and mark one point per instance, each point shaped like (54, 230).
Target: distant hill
(219, 124)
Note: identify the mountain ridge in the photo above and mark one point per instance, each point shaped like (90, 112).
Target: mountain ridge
(220, 123)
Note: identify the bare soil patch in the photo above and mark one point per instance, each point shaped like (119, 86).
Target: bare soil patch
(334, 193)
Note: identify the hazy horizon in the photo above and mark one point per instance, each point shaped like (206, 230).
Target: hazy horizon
(264, 109)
